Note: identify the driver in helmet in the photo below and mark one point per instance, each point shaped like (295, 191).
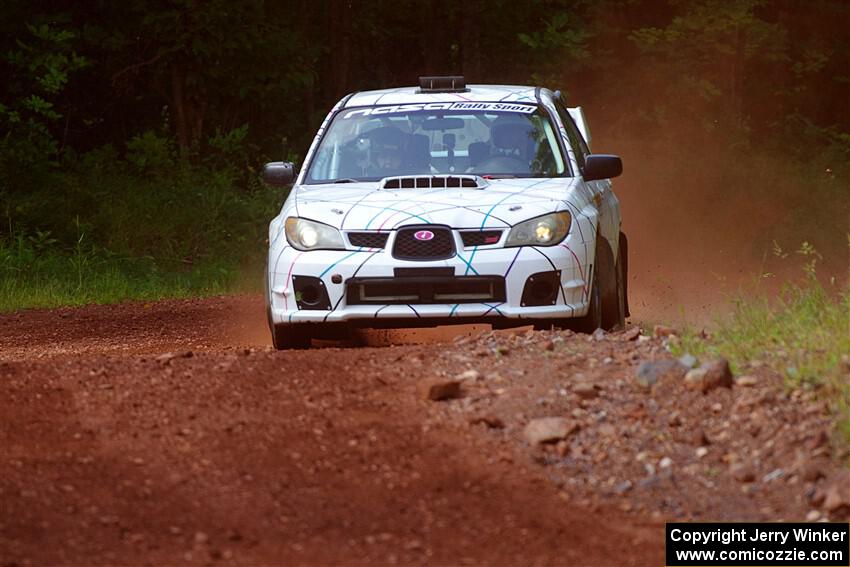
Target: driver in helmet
(387, 150)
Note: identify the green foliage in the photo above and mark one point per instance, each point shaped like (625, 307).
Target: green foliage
(702, 55)
(221, 62)
(48, 57)
(146, 225)
(561, 38)
(42, 63)
(151, 154)
(560, 33)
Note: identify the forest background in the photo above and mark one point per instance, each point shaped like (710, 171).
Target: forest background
(132, 133)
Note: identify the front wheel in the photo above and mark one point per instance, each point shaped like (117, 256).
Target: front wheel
(593, 320)
(285, 337)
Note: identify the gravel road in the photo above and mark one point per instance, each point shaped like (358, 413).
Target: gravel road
(170, 433)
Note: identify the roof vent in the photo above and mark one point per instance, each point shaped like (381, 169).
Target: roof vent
(433, 182)
(451, 84)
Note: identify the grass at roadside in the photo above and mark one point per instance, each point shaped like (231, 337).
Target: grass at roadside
(58, 280)
(803, 334)
(37, 273)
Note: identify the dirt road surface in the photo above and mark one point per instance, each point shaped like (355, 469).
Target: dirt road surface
(172, 434)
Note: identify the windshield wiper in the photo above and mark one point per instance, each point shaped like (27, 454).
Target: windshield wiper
(344, 180)
(498, 176)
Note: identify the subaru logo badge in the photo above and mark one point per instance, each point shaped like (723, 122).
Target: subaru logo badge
(424, 235)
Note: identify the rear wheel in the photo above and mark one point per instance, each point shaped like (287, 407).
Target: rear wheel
(614, 304)
(623, 260)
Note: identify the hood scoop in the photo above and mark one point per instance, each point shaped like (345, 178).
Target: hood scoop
(433, 182)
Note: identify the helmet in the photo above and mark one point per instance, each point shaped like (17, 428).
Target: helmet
(513, 135)
(387, 147)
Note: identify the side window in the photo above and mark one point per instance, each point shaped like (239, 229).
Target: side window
(576, 141)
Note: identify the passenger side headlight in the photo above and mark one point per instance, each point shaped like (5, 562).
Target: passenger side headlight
(546, 230)
(305, 234)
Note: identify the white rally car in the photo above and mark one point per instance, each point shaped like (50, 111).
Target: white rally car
(444, 204)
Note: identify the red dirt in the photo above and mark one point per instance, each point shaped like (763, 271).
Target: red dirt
(169, 433)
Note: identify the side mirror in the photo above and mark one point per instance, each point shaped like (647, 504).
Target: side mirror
(602, 166)
(279, 173)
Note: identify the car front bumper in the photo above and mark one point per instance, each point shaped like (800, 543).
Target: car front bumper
(337, 286)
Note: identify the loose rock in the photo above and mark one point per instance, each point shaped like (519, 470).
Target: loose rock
(811, 472)
(688, 360)
(743, 473)
(710, 375)
(585, 391)
(746, 381)
(659, 331)
(490, 421)
(649, 372)
(773, 475)
(718, 374)
(695, 377)
(837, 500)
(549, 429)
(440, 389)
(631, 334)
(169, 356)
(470, 375)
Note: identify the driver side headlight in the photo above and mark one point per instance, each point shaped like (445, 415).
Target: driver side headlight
(305, 234)
(546, 230)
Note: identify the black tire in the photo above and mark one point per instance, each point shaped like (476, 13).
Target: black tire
(623, 260)
(593, 319)
(607, 293)
(285, 337)
(614, 301)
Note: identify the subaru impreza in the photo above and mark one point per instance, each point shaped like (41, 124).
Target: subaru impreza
(446, 203)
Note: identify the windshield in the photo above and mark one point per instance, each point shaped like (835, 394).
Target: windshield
(479, 138)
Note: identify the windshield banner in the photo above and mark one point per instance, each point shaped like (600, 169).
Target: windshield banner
(456, 106)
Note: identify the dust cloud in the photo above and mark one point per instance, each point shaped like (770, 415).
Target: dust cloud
(703, 210)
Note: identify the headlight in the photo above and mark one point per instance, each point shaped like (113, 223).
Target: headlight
(547, 230)
(305, 234)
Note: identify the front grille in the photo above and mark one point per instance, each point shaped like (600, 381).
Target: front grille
(425, 290)
(368, 239)
(439, 247)
(480, 237)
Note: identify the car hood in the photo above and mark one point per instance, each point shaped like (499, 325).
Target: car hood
(501, 203)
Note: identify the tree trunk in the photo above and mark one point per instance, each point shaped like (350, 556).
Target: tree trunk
(471, 40)
(178, 103)
(738, 78)
(339, 34)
